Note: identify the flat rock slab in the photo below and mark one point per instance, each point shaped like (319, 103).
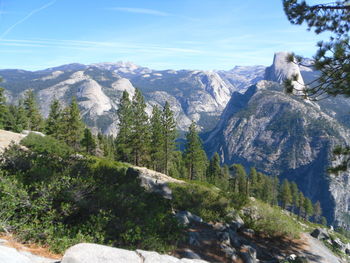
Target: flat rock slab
(93, 253)
(6, 137)
(12, 255)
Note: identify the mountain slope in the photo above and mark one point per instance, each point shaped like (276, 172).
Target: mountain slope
(192, 94)
(284, 135)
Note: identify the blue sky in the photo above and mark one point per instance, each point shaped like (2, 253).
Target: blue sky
(160, 34)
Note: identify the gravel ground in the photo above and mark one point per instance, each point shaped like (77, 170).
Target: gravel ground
(317, 252)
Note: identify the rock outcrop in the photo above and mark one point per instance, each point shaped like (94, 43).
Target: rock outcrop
(93, 253)
(286, 136)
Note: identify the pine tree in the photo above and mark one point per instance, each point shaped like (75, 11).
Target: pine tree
(214, 169)
(3, 108)
(177, 168)
(308, 207)
(140, 129)
(253, 180)
(301, 204)
(239, 179)
(286, 195)
(169, 135)
(88, 142)
(124, 113)
(54, 120)
(195, 158)
(35, 120)
(16, 119)
(157, 140)
(323, 221)
(295, 195)
(72, 125)
(317, 211)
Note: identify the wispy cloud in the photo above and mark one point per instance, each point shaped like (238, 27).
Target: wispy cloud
(33, 12)
(144, 11)
(96, 45)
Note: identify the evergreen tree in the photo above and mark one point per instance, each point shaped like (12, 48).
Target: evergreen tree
(16, 119)
(253, 179)
(140, 129)
(106, 146)
(332, 59)
(239, 179)
(301, 204)
(286, 195)
(88, 142)
(157, 140)
(169, 135)
(317, 211)
(214, 169)
(3, 108)
(308, 207)
(124, 113)
(295, 195)
(72, 125)
(35, 121)
(54, 120)
(323, 221)
(194, 156)
(177, 167)
(259, 188)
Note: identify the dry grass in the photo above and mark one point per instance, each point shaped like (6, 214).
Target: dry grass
(32, 248)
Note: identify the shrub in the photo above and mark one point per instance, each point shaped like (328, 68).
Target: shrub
(210, 203)
(270, 220)
(49, 196)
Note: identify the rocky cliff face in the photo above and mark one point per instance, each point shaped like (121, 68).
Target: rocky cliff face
(193, 95)
(284, 135)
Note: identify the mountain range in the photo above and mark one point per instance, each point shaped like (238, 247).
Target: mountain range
(244, 115)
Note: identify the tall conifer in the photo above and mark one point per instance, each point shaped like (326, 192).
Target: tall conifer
(169, 135)
(195, 158)
(140, 129)
(124, 113)
(157, 140)
(54, 120)
(35, 121)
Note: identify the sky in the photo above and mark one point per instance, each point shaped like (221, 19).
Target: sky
(159, 34)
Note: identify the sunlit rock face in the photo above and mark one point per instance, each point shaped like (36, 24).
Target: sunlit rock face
(283, 135)
(192, 94)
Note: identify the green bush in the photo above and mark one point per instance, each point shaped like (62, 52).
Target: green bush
(51, 196)
(46, 145)
(208, 202)
(270, 220)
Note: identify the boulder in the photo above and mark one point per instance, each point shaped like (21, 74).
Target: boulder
(186, 217)
(230, 252)
(93, 253)
(188, 253)
(224, 237)
(320, 234)
(339, 245)
(11, 255)
(248, 254)
(193, 239)
(237, 222)
(248, 232)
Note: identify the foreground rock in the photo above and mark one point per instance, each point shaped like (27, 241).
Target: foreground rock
(7, 137)
(93, 253)
(12, 255)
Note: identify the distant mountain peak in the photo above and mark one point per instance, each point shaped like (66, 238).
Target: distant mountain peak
(281, 69)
